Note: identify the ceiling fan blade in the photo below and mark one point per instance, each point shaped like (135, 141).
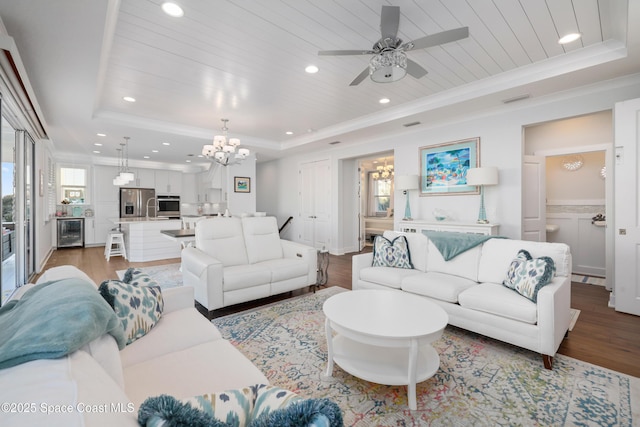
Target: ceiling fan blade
(389, 21)
(437, 39)
(415, 70)
(363, 75)
(345, 52)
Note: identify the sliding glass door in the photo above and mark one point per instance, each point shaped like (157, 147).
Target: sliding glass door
(8, 204)
(17, 157)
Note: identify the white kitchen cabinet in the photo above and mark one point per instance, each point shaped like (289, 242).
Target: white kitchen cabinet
(168, 182)
(89, 231)
(101, 227)
(103, 188)
(189, 193)
(210, 187)
(144, 178)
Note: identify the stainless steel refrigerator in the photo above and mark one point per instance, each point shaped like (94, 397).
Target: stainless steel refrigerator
(137, 202)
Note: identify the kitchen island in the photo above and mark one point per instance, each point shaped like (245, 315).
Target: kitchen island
(144, 241)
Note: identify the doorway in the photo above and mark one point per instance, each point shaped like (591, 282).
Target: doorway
(376, 200)
(573, 191)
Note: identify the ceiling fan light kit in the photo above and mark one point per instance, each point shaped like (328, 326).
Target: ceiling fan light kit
(389, 66)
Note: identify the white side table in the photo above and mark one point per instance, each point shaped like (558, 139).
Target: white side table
(384, 337)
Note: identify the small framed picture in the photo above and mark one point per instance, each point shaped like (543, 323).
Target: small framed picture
(241, 184)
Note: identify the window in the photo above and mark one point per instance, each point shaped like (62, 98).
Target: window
(380, 191)
(73, 185)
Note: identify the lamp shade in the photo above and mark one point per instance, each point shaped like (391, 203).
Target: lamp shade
(482, 176)
(406, 182)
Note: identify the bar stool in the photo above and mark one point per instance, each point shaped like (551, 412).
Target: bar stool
(115, 245)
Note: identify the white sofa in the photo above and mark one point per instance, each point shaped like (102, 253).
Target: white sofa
(183, 356)
(242, 259)
(469, 288)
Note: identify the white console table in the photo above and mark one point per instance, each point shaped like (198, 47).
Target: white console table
(460, 227)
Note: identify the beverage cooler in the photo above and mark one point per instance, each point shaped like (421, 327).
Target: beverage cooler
(70, 232)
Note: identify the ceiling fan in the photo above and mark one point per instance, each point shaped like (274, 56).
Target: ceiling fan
(390, 62)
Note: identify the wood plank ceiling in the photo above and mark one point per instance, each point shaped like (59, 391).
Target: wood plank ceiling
(245, 61)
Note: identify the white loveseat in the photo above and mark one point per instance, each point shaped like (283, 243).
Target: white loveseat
(469, 288)
(183, 356)
(242, 259)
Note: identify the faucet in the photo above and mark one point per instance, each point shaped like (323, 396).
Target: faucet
(148, 200)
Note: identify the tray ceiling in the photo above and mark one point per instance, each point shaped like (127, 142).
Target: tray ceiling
(245, 61)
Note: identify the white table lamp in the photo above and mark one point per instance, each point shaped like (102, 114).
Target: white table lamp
(406, 183)
(482, 177)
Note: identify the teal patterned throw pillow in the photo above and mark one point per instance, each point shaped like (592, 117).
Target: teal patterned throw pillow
(527, 275)
(139, 308)
(391, 253)
(135, 276)
(258, 405)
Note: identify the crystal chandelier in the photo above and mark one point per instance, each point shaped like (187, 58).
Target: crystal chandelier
(383, 172)
(388, 66)
(223, 149)
(124, 176)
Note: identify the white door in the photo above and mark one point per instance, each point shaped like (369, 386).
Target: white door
(534, 204)
(626, 207)
(362, 198)
(315, 211)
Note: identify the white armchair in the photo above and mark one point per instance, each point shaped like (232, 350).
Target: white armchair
(243, 259)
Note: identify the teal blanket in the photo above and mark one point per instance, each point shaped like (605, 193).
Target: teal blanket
(451, 244)
(54, 319)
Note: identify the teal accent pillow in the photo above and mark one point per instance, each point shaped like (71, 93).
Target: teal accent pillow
(303, 412)
(139, 308)
(255, 406)
(527, 275)
(391, 253)
(231, 407)
(135, 276)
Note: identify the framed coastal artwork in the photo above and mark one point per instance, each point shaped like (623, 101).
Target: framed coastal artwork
(241, 184)
(443, 167)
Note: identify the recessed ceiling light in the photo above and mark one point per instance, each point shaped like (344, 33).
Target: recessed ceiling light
(96, 152)
(129, 99)
(154, 151)
(97, 144)
(311, 69)
(166, 143)
(289, 132)
(101, 134)
(569, 38)
(200, 155)
(384, 100)
(172, 9)
(146, 157)
(188, 161)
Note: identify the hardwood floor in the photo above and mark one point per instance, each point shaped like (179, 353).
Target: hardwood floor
(602, 336)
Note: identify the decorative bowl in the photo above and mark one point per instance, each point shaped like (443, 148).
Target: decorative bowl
(439, 215)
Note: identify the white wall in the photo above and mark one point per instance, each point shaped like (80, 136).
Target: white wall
(44, 227)
(584, 186)
(581, 131)
(238, 203)
(501, 144)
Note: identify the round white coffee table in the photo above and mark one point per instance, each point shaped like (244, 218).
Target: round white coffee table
(384, 337)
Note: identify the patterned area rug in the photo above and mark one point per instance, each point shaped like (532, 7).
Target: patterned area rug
(481, 382)
(167, 276)
(592, 280)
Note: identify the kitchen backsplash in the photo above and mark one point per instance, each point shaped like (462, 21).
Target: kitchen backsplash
(74, 210)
